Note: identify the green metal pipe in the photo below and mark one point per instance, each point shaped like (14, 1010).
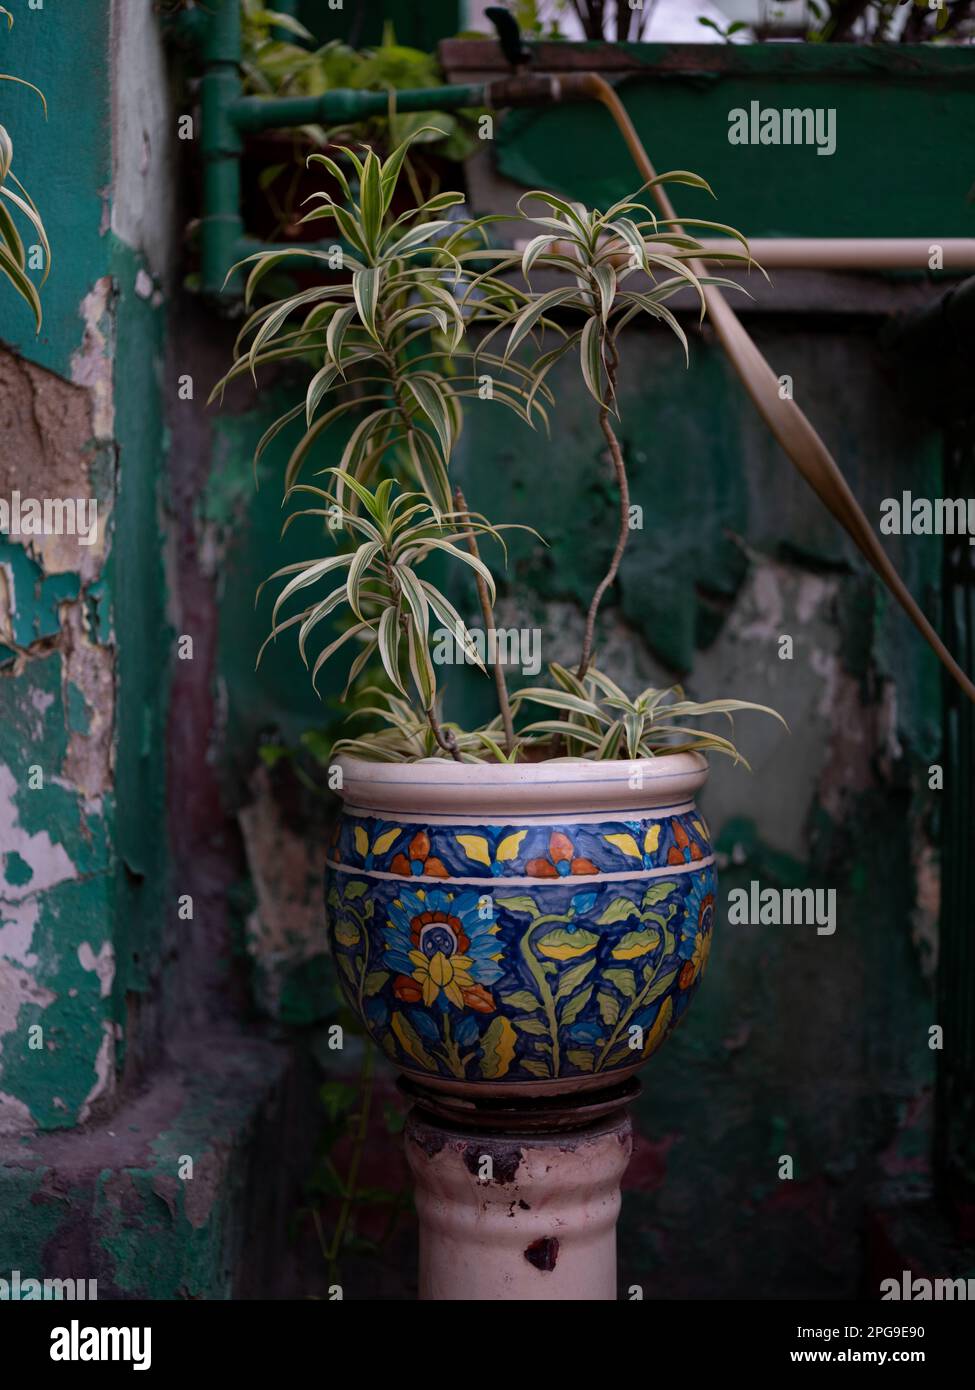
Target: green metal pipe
(277, 113)
(221, 225)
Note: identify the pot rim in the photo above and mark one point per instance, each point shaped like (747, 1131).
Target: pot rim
(557, 785)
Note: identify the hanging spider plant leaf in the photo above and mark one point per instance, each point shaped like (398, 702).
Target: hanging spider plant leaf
(561, 699)
(558, 729)
(335, 169)
(365, 286)
(568, 210)
(318, 388)
(417, 237)
(529, 317)
(605, 277)
(338, 326)
(634, 240)
(361, 561)
(421, 667)
(311, 571)
(416, 599)
(22, 283)
(333, 647)
(534, 249)
(591, 358)
(473, 561)
(389, 640)
(318, 615)
(429, 468)
(429, 396)
(26, 205)
(371, 201)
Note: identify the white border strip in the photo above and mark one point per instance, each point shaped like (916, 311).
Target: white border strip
(579, 881)
(543, 818)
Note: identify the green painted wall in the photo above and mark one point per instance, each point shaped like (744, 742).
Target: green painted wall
(82, 691)
(901, 121)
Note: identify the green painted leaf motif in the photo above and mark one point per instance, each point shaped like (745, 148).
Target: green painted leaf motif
(573, 978)
(521, 999)
(609, 1006)
(617, 911)
(521, 904)
(585, 1061)
(534, 1026)
(409, 1040)
(374, 982)
(539, 1069)
(636, 943)
(562, 944)
(345, 964)
(355, 890)
(575, 1006)
(498, 1048)
(619, 1056)
(623, 981)
(656, 892)
(347, 933)
(661, 986)
(661, 918)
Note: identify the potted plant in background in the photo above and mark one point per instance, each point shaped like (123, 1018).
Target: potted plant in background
(524, 908)
(281, 58)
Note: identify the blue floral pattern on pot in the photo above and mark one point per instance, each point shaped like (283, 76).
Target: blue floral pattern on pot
(514, 953)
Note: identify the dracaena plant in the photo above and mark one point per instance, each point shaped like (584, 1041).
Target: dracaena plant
(598, 719)
(387, 602)
(387, 340)
(385, 332)
(13, 254)
(601, 253)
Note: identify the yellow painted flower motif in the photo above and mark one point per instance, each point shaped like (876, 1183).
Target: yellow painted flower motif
(627, 845)
(442, 972)
(656, 1035)
(379, 846)
(478, 848)
(636, 943)
(698, 960)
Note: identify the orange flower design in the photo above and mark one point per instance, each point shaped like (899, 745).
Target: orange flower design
(562, 860)
(686, 850)
(418, 860)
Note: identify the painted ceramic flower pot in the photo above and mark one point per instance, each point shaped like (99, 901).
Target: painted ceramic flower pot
(521, 930)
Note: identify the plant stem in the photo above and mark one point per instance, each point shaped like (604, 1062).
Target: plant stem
(349, 1196)
(445, 738)
(619, 467)
(487, 612)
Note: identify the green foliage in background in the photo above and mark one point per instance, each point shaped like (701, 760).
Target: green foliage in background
(280, 59)
(14, 198)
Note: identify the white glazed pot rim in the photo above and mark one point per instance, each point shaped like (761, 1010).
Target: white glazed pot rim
(439, 785)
